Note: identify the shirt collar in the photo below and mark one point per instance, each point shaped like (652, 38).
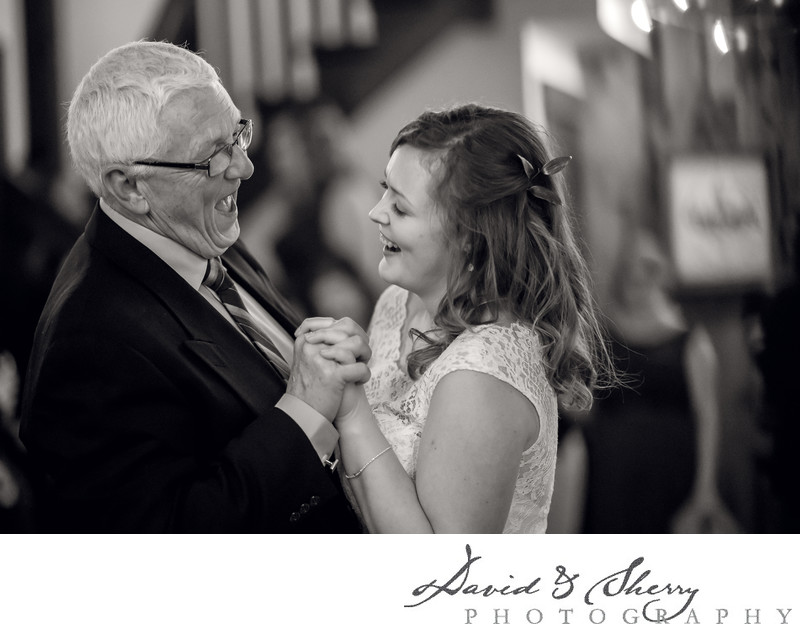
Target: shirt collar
(189, 265)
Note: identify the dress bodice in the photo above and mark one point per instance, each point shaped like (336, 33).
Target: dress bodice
(511, 353)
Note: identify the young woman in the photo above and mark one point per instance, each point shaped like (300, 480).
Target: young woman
(488, 323)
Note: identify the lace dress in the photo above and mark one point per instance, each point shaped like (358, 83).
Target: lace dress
(509, 353)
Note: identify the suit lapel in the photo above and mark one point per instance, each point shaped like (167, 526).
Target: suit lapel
(210, 338)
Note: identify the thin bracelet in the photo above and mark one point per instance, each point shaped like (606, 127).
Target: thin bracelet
(361, 471)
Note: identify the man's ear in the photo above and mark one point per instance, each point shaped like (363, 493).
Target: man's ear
(125, 191)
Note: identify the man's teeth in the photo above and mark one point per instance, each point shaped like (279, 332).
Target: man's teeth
(226, 203)
(390, 245)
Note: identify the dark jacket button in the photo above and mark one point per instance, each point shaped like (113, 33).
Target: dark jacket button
(315, 501)
(304, 508)
(294, 517)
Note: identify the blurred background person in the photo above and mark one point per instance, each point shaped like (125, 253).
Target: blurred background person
(34, 238)
(307, 213)
(652, 447)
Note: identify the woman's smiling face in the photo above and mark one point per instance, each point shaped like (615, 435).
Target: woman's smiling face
(415, 253)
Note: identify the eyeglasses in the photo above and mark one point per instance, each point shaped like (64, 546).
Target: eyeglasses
(219, 161)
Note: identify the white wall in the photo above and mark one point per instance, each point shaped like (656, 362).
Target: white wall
(87, 29)
(15, 84)
(481, 61)
(469, 62)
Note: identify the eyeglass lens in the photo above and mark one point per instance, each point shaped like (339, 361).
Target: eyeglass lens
(221, 160)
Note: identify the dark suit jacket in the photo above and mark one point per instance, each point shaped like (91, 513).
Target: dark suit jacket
(149, 412)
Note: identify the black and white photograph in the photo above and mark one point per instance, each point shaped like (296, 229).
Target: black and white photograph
(281, 276)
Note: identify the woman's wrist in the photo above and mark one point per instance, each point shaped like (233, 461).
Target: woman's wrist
(358, 407)
(357, 429)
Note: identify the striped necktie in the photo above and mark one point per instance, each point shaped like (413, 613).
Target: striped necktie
(217, 279)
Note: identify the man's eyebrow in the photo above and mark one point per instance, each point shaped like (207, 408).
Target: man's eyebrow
(210, 143)
(236, 125)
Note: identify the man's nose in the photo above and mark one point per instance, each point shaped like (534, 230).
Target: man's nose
(241, 166)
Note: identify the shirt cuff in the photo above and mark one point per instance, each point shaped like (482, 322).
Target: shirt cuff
(320, 432)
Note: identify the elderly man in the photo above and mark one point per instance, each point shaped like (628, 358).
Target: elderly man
(165, 392)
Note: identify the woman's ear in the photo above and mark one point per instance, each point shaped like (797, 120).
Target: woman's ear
(125, 191)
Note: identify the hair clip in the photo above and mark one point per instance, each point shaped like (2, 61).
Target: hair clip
(549, 168)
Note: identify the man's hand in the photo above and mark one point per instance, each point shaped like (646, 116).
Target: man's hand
(328, 354)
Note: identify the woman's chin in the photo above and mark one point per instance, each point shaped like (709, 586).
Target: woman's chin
(385, 272)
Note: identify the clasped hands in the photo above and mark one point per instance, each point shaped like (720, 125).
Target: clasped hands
(330, 365)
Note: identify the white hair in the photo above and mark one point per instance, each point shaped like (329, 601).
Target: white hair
(114, 113)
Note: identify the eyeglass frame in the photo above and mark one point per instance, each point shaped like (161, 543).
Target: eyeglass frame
(247, 124)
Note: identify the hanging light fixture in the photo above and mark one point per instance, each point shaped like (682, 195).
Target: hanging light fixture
(683, 5)
(741, 38)
(641, 16)
(720, 38)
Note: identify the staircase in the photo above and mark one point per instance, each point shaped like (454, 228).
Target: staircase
(299, 50)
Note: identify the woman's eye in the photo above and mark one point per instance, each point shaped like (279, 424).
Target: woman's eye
(394, 208)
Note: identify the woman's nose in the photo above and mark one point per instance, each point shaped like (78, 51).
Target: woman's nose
(378, 213)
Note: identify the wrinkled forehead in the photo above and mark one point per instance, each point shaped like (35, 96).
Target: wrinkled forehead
(200, 112)
(199, 101)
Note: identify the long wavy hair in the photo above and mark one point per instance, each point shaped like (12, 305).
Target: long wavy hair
(513, 253)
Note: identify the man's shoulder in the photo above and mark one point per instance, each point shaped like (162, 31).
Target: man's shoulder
(91, 291)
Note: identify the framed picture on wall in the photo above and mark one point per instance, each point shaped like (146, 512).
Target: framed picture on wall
(719, 221)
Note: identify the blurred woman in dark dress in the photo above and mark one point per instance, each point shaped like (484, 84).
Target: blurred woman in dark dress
(652, 448)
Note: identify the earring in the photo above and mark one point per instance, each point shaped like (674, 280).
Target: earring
(470, 268)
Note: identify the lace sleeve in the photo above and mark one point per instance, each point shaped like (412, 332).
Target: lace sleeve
(511, 354)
